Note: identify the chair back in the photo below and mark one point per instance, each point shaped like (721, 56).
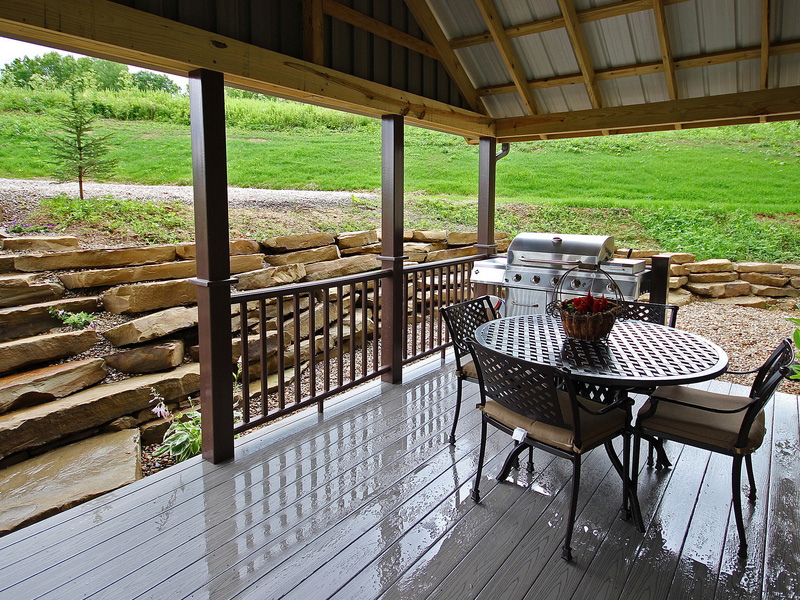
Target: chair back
(464, 318)
(528, 389)
(773, 371)
(663, 314)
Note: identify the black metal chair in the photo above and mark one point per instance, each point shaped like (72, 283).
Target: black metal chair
(723, 423)
(652, 312)
(526, 396)
(462, 320)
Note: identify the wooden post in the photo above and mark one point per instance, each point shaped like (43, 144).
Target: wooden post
(392, 303)
(487, 164)
(209, 169)
(659, 279)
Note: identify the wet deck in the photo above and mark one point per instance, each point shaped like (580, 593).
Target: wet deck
(370, 501)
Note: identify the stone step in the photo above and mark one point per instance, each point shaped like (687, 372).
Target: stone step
(148, 358)
(236, 247)
(311, 255)
(430, 235)
(144, 297)
(44, 485)
(170, 270)
(38, 425)
(713, 265)
(452, 253)
(28, 351)
(86, 259)
(40, 243)
(33, 319)
(24, 289)
(153, 326)
(270, 277)
(49, 383)
(353, 239)
(287, 243)
(342, 267)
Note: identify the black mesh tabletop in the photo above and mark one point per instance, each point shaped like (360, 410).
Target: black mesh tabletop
(635, 352)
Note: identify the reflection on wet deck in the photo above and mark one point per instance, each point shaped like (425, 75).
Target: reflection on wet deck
(369, 500)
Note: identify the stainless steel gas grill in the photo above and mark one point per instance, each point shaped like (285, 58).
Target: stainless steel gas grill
(536, 262)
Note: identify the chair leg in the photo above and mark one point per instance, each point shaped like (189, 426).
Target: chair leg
(650, 452)
(626, 490)
(512, 461)
(737, 503)
(476, 495)
(530, 459)
(458, 410)
(748, 461)
(637, 511)
(566, 553)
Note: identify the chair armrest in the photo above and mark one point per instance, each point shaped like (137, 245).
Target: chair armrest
(654, 400)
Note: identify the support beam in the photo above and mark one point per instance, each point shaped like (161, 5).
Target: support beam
(508, 54)
(210, 180)
(659, 279)
(764, 42)
(392, 304)
(666, 52)
(313, 48)
(581, 50)
(487, 163)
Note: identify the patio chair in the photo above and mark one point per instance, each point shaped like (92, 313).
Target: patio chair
(526, 396)
(723, 423)
(462, 320)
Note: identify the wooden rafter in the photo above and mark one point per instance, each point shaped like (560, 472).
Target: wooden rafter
(508, 54)
(313, 49)
(666, 51)
(585, 16)
(575, 33)
(115, 32)
(427, 21)
(764, 42)
(738, 107)
(650, 68)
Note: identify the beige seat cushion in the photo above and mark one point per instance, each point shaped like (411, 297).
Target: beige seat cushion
(711, 429)
(468, 369)
(594, 428)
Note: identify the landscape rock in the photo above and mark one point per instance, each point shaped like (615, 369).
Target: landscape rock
(425, 247)
(7, 264)
(376, 248)
(623, 252)
(713, 265)
(758, 267)
(44, 485)
(352, 239)
(775, 292)
(23, 289)
(764, 278)
(92, 407)
(792, 270)
(84, 259)
(33, 319)
(48, 383)
(713, 277)
(44, 348)
(749, 301)
(153, 432)
(40, 243)
(153, 326)
(461, 238)
(679, 297)
(148, 358)
(270, 277)
(254, 345)
(121, 424)
(236, 248)
(287, 243)
(678, 270)
(679, 258)
(676, 282)
(342, 267)
(720, 290)
(142, 297)
(794, 282)
(308, 256)
(432, 235)
(502, 245)
(452, 253)
(169, 270)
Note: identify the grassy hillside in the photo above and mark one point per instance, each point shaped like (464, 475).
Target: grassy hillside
(731, 191)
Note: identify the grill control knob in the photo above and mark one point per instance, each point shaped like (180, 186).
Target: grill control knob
(611, 287)
(517, 277)
(554, 281)
(536, 279)
(575, 284)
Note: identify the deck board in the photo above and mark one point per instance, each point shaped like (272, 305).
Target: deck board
(369, 501)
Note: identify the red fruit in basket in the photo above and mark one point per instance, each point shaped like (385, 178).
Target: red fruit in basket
(599, 305)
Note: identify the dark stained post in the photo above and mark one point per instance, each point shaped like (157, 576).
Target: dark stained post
(659, 279)
(209, 169)
(487, 169)
(392, 257)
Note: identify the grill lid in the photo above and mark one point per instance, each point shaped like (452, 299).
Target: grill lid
(535, 249)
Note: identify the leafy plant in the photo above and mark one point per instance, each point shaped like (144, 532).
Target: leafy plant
(184, 437)
(79, 320)
(28, 228)
(796, 366)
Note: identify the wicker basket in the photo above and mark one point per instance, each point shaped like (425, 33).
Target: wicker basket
(589, 326)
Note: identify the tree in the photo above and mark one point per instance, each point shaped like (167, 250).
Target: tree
(147, 80)
(77, 150)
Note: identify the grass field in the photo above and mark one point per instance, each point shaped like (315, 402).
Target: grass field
(730, 192)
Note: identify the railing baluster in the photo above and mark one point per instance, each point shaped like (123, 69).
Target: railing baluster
(340, 332)
(352, 333)
(431, 313)
(281, 350)
(364, 329)
(262, 328)
(296, 343)
(245, 362)
(375, 309)
(326, 332)
(414, 315)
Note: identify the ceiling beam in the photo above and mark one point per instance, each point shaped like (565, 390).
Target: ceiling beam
(509, 55)
(575, 33)
(760, 103)
(115, 32)
(764, 42)
(313, 48)
(666, 51)
(585, 16)
(689, 62)
(427, 21)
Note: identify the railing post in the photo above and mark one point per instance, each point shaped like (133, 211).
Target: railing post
(392, 306)
(209, 169)
(486, 245)
(659, 279)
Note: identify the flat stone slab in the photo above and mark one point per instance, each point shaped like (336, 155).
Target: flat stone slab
(310, 255)
(676, 282)
(24, 289)
(713, 277)
(93, 407)
(714, 265)
(153, 326)
(270, 277)
(85, 259)
(171, 270)
(375, 248)
(748, 301)
(758, 267)
(430, 235)
(148, 358)
(286, 243)
(764, 278)
(461, 238)
(352, 239)
(236, 247)
(720, 290)
(775, 292)
(341, 267)
(48, 383)
(425, 247)
(678, 270)
(17, 354)
(792, 270)
(503, 244)
(452, 253)
(40, 243)
(143, 297)
(33, 319)
(60, 479)
(7, 264)
(679, 258)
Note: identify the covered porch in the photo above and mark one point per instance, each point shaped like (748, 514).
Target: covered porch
(368, 500)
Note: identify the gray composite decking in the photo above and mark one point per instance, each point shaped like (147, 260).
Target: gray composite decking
(370, 501)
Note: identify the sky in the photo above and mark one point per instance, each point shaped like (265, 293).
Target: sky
(11, 49)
